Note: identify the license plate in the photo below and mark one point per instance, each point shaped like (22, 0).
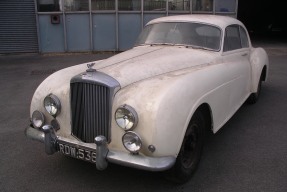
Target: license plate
(77, 152)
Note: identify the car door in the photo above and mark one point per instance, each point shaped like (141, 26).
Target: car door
(236, 54)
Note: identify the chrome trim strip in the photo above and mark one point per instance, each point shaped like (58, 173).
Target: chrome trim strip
(96, 77)
(138, 161)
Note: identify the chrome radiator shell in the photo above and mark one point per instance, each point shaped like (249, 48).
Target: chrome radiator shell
(91, 97)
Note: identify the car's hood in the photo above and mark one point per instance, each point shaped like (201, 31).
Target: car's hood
(148, 61)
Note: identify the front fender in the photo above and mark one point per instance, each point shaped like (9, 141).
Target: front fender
(58, 84)
(165, 106)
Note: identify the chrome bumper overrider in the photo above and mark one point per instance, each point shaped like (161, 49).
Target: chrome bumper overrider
(103, 154)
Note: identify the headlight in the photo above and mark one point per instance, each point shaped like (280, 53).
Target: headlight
(52, 104)
(126, 117)
(38, 119)
(132, 142)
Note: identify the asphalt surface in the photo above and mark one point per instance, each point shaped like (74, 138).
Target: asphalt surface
(248, 154)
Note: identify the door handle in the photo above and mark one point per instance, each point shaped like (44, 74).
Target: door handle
(244, 54)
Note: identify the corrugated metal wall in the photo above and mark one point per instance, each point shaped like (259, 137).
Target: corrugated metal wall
(18, 30)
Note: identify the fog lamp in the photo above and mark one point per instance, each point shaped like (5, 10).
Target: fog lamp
(132, 142)
(38, 119)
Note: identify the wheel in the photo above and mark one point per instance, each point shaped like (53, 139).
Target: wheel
(190, 151)
(254, 97)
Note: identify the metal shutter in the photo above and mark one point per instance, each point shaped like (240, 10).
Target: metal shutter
(18, 31)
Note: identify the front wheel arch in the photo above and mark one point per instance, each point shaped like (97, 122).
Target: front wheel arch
(192, 144)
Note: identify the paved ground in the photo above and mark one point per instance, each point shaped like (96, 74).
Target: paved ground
(248, 154)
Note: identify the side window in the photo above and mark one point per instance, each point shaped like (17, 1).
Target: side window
(244, 38)
(232, 39)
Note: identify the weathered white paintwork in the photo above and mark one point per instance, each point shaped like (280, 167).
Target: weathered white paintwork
(165, 85)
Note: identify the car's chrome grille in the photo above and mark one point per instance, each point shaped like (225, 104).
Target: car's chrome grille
(91, 110)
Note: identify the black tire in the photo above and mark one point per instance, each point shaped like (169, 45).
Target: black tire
(190, 152)
(254, 97)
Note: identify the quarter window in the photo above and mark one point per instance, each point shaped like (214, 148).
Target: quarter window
(232, 39)
(244, 38)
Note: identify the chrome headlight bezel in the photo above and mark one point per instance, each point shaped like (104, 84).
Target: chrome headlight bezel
(52, 105)
(126, 117)
(37, 119)
(132, 142)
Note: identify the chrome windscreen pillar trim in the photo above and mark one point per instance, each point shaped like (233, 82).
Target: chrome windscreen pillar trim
(50, 139)
(102, 151)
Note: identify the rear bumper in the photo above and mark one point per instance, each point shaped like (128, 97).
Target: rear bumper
(103, 154)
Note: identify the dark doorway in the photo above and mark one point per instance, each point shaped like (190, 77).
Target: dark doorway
(264, 18)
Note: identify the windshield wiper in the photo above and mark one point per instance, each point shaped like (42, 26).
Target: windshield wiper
(198, 47)
(143, 44)
(172, 44)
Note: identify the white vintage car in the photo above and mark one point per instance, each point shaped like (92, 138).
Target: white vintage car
(150, 107)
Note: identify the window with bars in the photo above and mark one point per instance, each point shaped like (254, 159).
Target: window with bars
(154, 5)
(103, 4)
(202, 5)
(179, 5)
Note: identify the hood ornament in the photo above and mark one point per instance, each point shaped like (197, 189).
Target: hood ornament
(90, 67)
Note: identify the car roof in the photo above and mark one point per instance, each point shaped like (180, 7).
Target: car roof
(220, 21)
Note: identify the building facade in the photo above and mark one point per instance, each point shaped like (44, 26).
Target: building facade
(108, 25)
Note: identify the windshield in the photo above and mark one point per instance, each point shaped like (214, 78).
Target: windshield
(196, 35)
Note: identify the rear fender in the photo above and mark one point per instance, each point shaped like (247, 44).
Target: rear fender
(259, 60)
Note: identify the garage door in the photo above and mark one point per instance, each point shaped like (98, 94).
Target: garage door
(18, 31)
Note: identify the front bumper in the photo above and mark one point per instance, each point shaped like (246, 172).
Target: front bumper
(103, 154)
